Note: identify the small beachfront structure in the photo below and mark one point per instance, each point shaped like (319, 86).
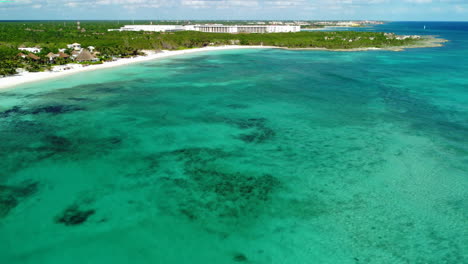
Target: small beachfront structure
(75, 53)
(85, 55)
(63, 55)
(51, 56)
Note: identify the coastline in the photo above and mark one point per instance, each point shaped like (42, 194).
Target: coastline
(327, 28)
(29, 77)
(425, 42)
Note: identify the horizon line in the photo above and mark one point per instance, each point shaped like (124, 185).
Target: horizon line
(126, 19)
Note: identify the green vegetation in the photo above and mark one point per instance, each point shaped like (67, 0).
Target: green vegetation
(51, 36)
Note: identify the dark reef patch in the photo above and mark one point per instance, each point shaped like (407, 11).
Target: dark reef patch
(199, 155)
(48, 109)
(237, 106)
(57, 143)
(56, 109)
(212, 190)
(256, 129)
(261, 131)
(76, 147)
(9, 94)
(239, 257)
(113, 140)
(105, 89)
(247, 123)
(26, 127)
(20, 144)
(79, 99)
(15, 110)
(74, 215)
(234, 186)
(11, 196)
(257, 136)
(149, 166)
(423, 116)
(222, 195)
(209, 190)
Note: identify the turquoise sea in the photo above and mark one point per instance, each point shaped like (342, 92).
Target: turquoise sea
(243, 156)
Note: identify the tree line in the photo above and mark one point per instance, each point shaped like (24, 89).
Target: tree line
(51, 36)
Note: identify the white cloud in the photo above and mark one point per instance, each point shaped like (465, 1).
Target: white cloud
(460, 9)
(419, 1)
(72, 4)
(219, 3)
(239, 6)
(286, 4)
(195, 3)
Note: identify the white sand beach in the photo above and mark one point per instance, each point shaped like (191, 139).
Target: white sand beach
(58, 71)
(28, 77)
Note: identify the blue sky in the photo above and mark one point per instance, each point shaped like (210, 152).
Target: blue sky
(427, 10)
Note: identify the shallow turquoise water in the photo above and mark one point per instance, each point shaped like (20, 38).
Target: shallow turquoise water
(250, 156)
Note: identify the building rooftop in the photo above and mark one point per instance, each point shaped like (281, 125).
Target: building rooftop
(34, 57)
(85, 55)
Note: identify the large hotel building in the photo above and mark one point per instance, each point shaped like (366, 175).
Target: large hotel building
(213, 28)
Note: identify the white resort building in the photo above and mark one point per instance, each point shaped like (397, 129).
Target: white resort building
(155, 28)
(33, 50)
(74, 46)
(213, 28)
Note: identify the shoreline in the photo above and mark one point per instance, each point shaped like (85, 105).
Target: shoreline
(326, 28)
(29, 77)
(424, 42)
